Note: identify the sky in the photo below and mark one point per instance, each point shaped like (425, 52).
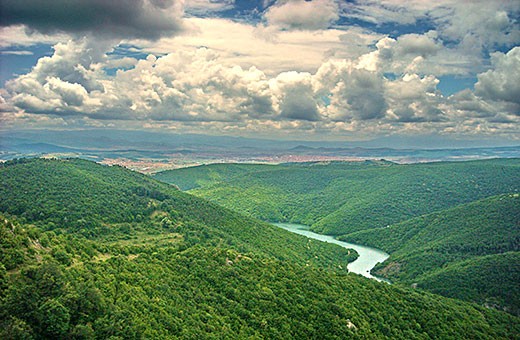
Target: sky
(290, 69)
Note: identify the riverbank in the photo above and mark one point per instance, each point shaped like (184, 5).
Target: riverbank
(368, 256)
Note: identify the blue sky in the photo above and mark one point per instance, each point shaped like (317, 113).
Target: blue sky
(321, 69)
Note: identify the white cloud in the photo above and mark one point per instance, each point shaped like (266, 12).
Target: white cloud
(354, 93)
(203, 7)
(200, 88)
(268, 49)
(295, 96)
(19, 36)
(501, 83)
(302, 15)
(467, 27)
(413, 98)
(17, 52)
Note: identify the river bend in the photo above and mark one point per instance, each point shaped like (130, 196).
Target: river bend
(368, 257)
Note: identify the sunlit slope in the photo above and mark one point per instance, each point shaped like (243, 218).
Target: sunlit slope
(94, 200)
(470, 251)
(342, 197)
(206, 175)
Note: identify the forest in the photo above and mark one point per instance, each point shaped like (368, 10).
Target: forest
(91, 251)
(452, 228)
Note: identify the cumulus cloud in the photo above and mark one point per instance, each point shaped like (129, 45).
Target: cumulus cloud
(295, 96)
(198, 87)
(302, 15)
(501, 82)
(354, 93)
(148, 19)
(413, 98)
(491, 20)
(487, 23)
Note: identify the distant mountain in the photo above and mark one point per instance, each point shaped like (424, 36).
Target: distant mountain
(109, 139)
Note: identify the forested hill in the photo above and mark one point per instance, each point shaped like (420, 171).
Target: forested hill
(94, 200)
(344, 197)
(89, 251)
(206, 175)
(470, 252)
(451, 228)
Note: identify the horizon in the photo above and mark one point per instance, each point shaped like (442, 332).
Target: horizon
(438, 75)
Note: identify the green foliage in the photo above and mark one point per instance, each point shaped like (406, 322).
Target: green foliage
(205, 292)
(206, 175)
(421, 213)
(341, 197)
(153, 262)
(447, 252)
(113, 203)
(490, 280)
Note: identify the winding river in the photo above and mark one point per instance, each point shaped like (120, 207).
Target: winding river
(368, 257)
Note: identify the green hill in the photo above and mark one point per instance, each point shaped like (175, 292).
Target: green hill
(490, 280)
(423, 214)
(470, 251)
(344, 197)
(112, 202)
(206, 175)
(89, 251)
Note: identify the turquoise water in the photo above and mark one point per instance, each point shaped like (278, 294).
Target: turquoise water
(368, 257)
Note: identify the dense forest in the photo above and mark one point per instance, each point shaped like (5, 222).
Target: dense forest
(343, 197)
(470, 251)
(452, 228)
(91, 251)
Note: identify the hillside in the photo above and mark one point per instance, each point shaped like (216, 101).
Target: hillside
(470, 251)
(207, 175)
(437, 220)
(102, 201)
(344, 197)
(90, 251)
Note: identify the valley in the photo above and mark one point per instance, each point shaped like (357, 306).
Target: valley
(368, 257)
(96, 251)
(450, 228)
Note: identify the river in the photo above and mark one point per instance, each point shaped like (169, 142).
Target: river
(368, 257)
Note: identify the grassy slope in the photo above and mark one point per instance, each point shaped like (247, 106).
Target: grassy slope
(109, 272)
(454, 247)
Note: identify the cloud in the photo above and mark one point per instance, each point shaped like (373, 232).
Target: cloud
(296, 96)
(464, 27)
(302, 15)
(501, 82)
(199, 88)
(471, 105)
(17, 52)
(18, 36)
(423, 45)
(204, 7)
(354, 93)
(413, 98)
(266, 48)
(486, 23)
(147, 19)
